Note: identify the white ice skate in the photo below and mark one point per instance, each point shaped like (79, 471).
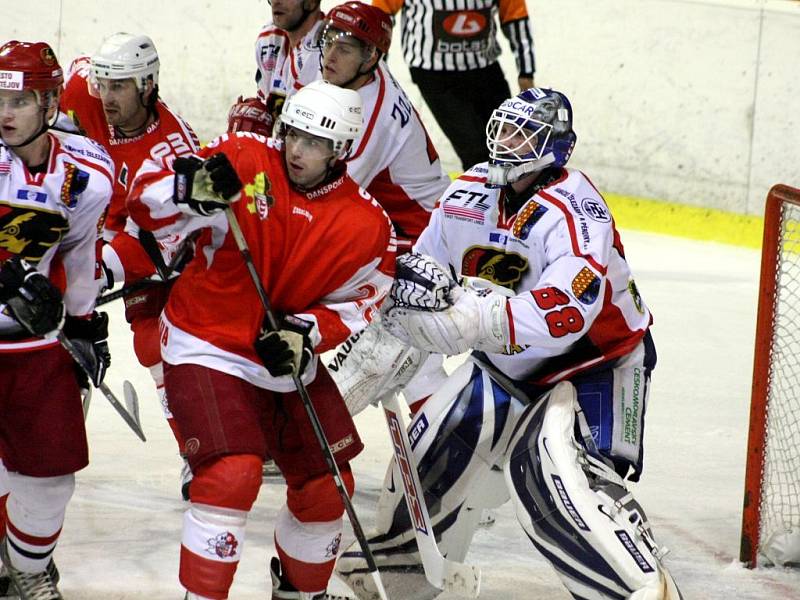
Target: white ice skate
(283, 590)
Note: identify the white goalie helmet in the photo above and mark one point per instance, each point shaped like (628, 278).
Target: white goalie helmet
(327, 111)
(123, 56)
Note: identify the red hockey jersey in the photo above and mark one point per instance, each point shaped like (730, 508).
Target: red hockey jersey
(326, 255)
(168, 136)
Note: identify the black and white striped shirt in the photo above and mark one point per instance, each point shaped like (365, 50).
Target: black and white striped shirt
(461, 35)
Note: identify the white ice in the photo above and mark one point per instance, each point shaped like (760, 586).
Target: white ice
(122, 532)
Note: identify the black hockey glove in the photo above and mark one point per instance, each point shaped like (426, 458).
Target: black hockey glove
(287, 350)
(32, 300)
(89, 338)
(204, 187)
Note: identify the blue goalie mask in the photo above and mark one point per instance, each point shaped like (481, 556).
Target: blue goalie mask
(527, 133)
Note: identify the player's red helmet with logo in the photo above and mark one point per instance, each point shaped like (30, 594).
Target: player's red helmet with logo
(250, 114)
(29, 66)
(364, 22)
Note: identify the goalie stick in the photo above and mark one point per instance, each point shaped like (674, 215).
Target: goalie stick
(444, 574)
(244, 249)
(130, 414)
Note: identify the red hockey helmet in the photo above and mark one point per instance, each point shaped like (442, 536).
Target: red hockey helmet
(364, 22)
(250, 114)
(29, 66)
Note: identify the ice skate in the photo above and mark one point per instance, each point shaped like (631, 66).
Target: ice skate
(28, 586)
(283, 590)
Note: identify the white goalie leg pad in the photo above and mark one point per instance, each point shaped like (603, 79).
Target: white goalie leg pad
(458, 438)
(368, 365)
(578, 512)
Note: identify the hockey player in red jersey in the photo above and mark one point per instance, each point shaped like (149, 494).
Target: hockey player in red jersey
(112, 97)
(324, 251)
(54, 191)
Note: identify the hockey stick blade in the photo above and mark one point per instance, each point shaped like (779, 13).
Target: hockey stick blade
(444, 574)
(131, 420)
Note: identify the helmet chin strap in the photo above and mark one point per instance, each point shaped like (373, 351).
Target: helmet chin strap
(500, 175)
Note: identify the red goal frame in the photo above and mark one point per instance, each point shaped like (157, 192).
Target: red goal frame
(778, 196)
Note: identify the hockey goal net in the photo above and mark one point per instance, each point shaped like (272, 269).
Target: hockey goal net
(771, 517)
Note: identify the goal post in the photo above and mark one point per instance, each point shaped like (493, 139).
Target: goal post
(771, 514)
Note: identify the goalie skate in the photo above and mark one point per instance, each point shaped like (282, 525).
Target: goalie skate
(283, 590)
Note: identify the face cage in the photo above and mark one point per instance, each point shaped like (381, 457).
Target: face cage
(501, 152)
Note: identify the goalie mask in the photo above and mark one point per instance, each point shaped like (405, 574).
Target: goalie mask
(528, 133)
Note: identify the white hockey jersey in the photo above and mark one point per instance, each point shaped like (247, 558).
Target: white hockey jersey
(282, 68)
(394, 158)
(54, 220)
(576, 304)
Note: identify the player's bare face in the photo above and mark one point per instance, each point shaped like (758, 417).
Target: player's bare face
(287, 14)
(342, 57)
(308, 157)
(20, 116)
(122, 105)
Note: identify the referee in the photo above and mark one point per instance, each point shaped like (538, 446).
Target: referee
(451, 50)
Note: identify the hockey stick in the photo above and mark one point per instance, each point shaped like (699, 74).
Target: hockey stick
(444, 574)
(132, 417)
(164, 271)
(272, 322)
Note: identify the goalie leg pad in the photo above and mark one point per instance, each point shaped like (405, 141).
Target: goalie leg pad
(576, 510)
(367, 366)
(457, 440)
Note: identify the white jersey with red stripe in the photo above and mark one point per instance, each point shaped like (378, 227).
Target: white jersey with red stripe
(394, 158)
(326, 255)
(54, 220)
(575, 304)
(282, 68)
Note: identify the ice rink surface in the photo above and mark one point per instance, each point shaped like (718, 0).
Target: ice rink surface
(122, 532)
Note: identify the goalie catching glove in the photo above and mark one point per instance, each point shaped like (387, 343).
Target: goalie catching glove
(428, 310)
(32, 300)
(289, 349)
(89, 337)
(204, 187)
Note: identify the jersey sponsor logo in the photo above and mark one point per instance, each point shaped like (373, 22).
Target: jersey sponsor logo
(531, 213)
(637, 297)
(462, 31)
(30, 232)
(466, 205)
(569, 506)
(586, 286)
(32, 196)
(630, 546)
(595, 210)
(499, 238)
(269, 56)
(501, 268)
(223, 545)
(99, 156)
(75, 183)
(321, 191)
(464, 24)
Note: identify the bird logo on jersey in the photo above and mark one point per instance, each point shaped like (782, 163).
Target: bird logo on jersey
(502, 268)
(223, 545)
(30, 232)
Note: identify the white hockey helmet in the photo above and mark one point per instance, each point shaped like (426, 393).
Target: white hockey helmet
(123, 56)
(327, 111)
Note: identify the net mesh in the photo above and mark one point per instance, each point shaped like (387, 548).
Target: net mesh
(780, 501)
